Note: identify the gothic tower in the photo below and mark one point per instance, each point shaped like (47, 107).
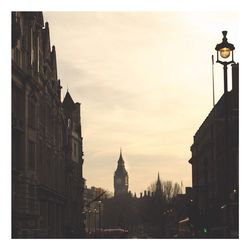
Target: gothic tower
(158, 190)
(121, 177)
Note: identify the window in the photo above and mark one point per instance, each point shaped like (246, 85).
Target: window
(48, 118)
(17, 150)
(48, 166)
(31, 189)
(38, 56)
(31, 47)
(31, 157)
(43, 213)
(42, 113)
(17, 56)
(74, 149)
(40, 158)
(17, 103)
(69, 123)
(31, 112)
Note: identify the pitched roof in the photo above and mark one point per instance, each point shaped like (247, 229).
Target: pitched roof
(121, 166)
(68, 101)
(120, 158)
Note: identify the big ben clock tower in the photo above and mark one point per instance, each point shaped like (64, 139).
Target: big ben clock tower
(121, 177)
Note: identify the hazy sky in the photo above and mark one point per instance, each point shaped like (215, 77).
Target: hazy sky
(144, 83)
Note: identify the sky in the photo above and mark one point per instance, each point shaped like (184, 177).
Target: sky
(195, 37)
(144, 81)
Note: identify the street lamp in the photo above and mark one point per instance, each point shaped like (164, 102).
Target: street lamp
(99, 204)
(225, 57)
(225, 52)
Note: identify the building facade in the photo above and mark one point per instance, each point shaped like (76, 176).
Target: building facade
(120, 178)
(93, 209)
(215, 165)
(47, 182)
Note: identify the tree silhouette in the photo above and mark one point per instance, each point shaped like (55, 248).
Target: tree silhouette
(169, 189)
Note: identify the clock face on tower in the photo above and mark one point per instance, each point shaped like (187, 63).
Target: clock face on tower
(118, 181)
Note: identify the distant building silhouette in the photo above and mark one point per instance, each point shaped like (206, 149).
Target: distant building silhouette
(148, 216)
(93, 207)
(215, 179)
(47, 181)
(120, 178)
(158, 190)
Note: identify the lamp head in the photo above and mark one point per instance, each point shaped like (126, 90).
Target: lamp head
(224, 48)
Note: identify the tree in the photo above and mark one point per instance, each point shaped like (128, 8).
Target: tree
(108, 194)
(169, 189)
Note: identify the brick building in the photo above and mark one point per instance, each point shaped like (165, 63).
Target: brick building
(47, 182)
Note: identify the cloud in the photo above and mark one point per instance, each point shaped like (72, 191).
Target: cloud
(144, 82)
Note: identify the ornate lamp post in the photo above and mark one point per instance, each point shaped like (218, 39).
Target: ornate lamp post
(225, 57)
(225, 52)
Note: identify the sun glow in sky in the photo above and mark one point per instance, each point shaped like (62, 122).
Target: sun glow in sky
(144, 81)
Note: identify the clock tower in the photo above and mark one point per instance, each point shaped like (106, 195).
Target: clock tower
(121, 177)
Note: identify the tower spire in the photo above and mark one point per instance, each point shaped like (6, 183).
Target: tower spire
(158, 185)
(120, 158)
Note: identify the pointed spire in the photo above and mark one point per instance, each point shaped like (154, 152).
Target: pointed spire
(53, 60)
(67, 88)
(46, 38)
(120, 158)
(158, 184)
(68, 102)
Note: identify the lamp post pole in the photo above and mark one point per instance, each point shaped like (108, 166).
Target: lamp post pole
(226, 165)
(225, 53)
(95, 219)
(99, 203)
(89, 221)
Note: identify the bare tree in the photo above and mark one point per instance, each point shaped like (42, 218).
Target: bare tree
(152, 187)
(108, 194)
(169, 189)
(177, 189)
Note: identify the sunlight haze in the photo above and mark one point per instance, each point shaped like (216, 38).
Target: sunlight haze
(144, 81)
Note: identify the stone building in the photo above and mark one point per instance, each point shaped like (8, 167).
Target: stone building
(215, 166)
(93, 208)
(47, 182)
